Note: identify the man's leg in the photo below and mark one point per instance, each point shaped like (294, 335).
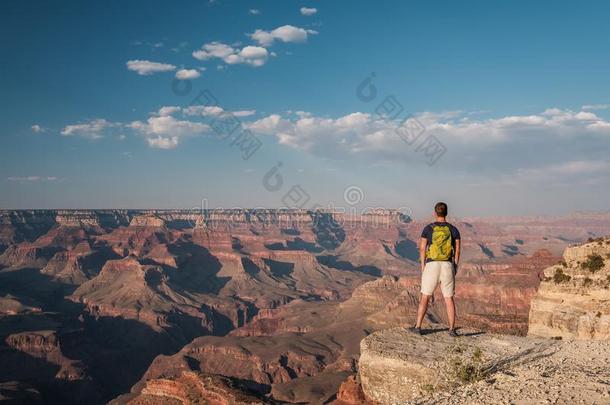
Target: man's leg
(429, 280)
(447, 279)
(450, 304)
(421, 311)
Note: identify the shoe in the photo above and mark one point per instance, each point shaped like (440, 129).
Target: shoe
(415, 330)
(452, 333)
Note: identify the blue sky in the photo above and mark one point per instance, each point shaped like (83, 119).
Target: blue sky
(516, 94)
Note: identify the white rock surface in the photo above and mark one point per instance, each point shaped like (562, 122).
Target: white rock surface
(396, 365)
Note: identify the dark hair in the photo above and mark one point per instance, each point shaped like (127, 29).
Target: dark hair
(441, 209)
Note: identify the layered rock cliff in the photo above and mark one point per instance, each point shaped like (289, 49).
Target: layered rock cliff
(192, 388)
(573, 300)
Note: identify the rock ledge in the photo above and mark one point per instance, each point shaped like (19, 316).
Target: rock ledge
(396, 366)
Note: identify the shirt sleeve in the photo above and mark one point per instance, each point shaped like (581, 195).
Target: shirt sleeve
(455, 234)
(426, 232)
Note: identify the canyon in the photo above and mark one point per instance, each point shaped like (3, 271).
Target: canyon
(251, 306)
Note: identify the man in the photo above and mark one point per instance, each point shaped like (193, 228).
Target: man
(439, 255)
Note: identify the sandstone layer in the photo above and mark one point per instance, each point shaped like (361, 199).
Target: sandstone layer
(573, 301)
(191, 388)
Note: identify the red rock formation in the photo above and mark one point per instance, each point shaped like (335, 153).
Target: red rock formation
(70, 266)
(129, 289)
(11, 305)
(24, 225)
(350, 393)
(136, 240)
(26, 254)
(263, 361)
(45, 345)
(191, 388)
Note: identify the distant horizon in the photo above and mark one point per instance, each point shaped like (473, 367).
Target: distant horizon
(356, 212)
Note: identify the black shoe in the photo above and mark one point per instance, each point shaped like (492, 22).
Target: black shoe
(452, 333)
(415, 330)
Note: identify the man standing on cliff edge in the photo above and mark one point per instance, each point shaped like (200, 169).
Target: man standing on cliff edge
(439, 255)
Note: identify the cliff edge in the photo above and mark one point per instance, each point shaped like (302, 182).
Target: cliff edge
(398, 367)
(573, 300)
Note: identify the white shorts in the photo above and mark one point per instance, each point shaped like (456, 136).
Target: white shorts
(436, 272)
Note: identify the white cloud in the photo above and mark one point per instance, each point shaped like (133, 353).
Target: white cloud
(506, 144)
(168, 110)
(308, 11)
(160, 142)
(152, 45)
(600, 126)
(345, 134)
(204, 111)
(93, 129)
(250, 55)
(146, 68)
(37, 128)
(557, 141)
(213, 50)
(253, 52)
(571, 168)
(553, 121)
(254, 11)
(165, 131)
(244, 113)
(161, 130)
(186, 74)
(32, 178)
(207, 111)
(595, 107)
(559, 174)
(264, 38)
(285, 33)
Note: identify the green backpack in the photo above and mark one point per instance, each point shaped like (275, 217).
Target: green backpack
(441, 248)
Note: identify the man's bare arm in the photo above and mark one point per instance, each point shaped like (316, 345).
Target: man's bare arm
(456, 257)
(423, 244)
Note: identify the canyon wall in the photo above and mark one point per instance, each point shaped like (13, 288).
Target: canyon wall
(573, 300)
